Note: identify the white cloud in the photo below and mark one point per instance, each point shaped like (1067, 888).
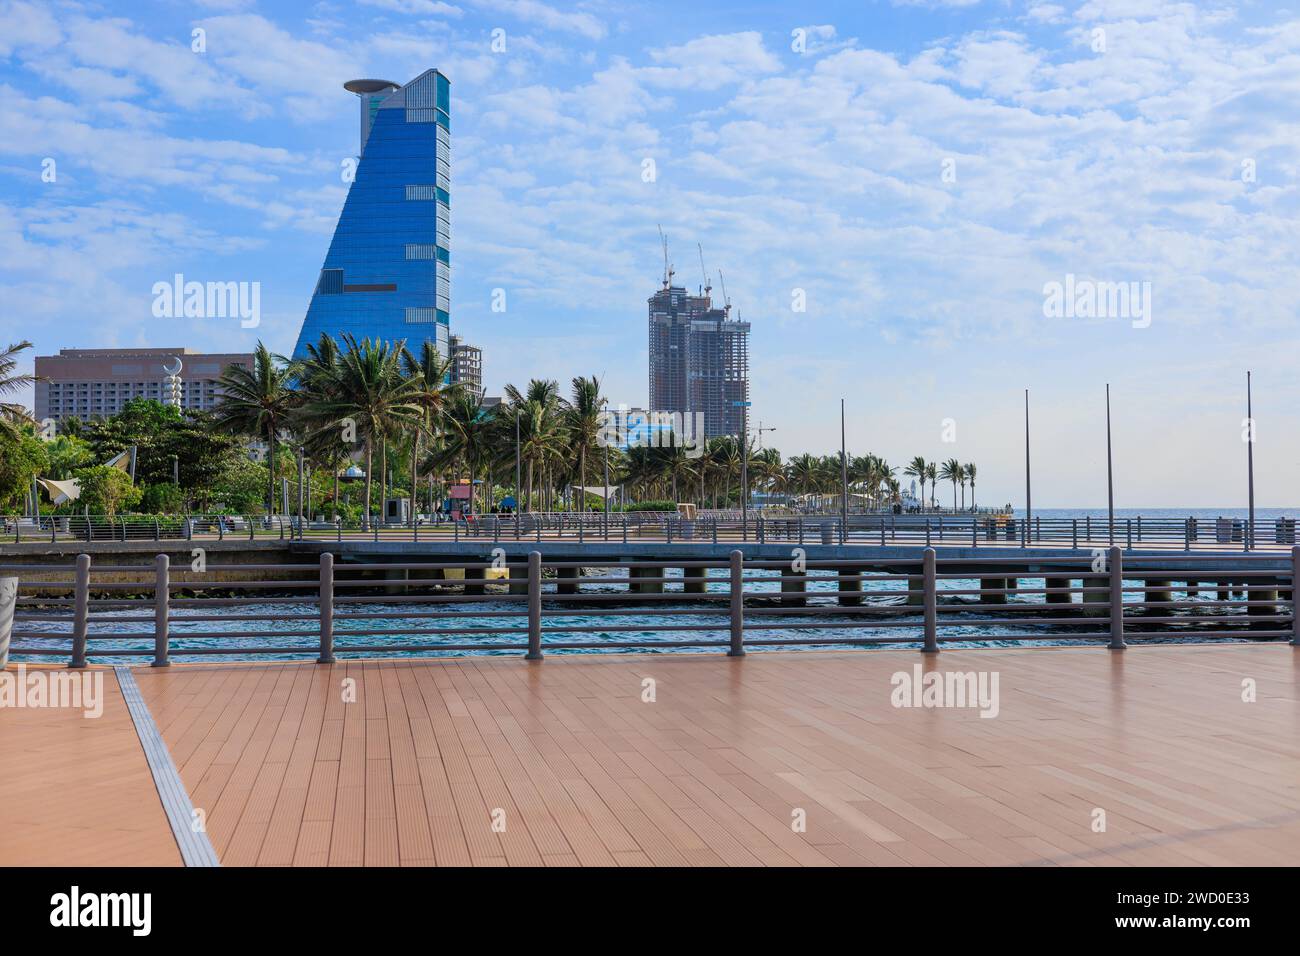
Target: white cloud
(533, 11)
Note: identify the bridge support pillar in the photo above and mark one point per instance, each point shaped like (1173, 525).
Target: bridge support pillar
(474, 581)
(1193, 588)
(646, 587)
(1264, 610)
(695, 580)
(850, 587)
(518, 580)
(1059, 598)
(993, 583)
(1221, 587)
(915, 591)
(399, 577)
(1158, 591)
(794, 587)
(1096, 597)
(566, 580)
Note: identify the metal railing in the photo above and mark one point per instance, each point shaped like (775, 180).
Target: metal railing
(88, 611)
(938, 531)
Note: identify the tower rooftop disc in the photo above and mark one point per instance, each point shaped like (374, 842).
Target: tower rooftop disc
(362, 87)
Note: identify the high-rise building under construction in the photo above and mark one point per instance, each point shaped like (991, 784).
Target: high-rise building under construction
(699, 358)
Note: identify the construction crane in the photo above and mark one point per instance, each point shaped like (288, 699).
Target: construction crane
(707, 287)
(726, 301)
(668, 269)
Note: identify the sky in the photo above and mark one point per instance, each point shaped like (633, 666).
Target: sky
(890, 190)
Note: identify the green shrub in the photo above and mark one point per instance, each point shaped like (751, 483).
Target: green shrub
(106, 490)
(648, 506)
(165, 499)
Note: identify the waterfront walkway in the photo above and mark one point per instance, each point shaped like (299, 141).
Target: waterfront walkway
(498, 761)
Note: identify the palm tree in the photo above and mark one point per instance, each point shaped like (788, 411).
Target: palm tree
(257, 402)
(367, 396)
(932, 472)
(918, 468)
(582, 416)
(470, 437)
(969, 468)
(13, 415)
(952, 471)
(434, 393)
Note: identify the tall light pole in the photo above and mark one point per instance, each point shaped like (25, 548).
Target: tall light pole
(1029, 507)
(844, 481)
(1110, 473)
(517, 507)
(1250, 467)
(744, 472)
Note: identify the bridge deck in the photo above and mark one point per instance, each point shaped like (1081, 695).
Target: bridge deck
(575, 767)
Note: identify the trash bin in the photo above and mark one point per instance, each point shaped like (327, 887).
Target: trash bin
(8, 598)
(828, 532)
(686, 529)
(1222, 530)
(1284, 531)
(1011, 529)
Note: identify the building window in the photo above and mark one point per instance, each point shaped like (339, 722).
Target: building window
(420, 251)
(331, 282)
(420, 116)
(421, 192)
(372, 287)
(414, 315)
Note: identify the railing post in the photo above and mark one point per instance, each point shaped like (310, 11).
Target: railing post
(161, 610)
(1187, 534)
(1116, 599)
(737, 604)
(534, 606)
(157, 534)
(930, 602)
(1295, 599)
(1074, 533)
(325, 603)
(974, 532)
(338, 529)
(1128, 524)
(927, 532)
(81, 611)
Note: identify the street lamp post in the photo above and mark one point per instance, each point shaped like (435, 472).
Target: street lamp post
(1250, 468)
(517, 508)
(844, 481)
(1110, 473)
(1029, 507)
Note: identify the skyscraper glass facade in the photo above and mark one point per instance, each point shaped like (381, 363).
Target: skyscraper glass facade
(387, 274)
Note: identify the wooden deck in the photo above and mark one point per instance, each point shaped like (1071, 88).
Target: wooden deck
(576, 768)
(77, 791)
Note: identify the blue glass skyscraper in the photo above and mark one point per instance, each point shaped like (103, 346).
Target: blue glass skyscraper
(387, 274)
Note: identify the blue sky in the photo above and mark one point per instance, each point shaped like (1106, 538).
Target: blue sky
(920, 171)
